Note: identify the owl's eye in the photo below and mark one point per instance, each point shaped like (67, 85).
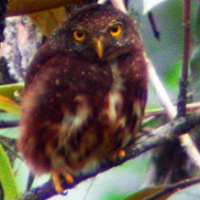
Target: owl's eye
(116, 30)
(79, 36)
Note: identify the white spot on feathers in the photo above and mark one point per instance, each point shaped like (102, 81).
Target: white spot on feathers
(72, 122)
(114, 97)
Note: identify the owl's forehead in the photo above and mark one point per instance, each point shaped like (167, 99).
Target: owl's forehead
(98, 17)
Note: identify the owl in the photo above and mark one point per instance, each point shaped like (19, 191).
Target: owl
(85, 94)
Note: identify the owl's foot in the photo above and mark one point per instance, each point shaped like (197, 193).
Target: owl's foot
(117, 155)
(57, 180)
(68, 177)
(121, 154)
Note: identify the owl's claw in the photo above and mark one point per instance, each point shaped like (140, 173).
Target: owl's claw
(68, 177)
(121, 154)
(57, 180)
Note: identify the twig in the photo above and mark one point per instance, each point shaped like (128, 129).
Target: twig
(89, 188)
(185, 139)
(31, 178)
(8, 124)
(174, 187)
(182, 98)
(10, 149)
(153, 25)
(190, 107)
(157, 137)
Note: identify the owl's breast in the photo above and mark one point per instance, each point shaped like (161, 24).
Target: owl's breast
(88, 113)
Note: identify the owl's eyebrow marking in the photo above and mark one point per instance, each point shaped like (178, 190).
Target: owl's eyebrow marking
(79, 28)
(103, 30)
(115, 23)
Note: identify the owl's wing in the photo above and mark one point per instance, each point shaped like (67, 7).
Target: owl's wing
(43, 54)
(53, 106)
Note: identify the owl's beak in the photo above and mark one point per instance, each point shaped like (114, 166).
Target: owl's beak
(99, 47)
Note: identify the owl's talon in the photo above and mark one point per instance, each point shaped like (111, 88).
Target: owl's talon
(57, 182)
(68, 177)
(121, 154)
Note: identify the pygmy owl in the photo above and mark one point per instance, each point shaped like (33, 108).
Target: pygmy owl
(85, 94)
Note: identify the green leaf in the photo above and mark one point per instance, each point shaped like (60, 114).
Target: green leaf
(197, 27)
(9, 90)
(8, 116)
(12, 133)
(172, 74)
(10, 106)
(7, 177)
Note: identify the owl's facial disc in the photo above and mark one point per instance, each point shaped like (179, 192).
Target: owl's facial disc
(99, 43)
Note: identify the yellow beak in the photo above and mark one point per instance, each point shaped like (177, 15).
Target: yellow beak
(99, 48)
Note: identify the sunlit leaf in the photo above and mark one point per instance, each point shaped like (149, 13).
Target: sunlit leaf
(172, 74)
(9, 90)
(9, 106)
(7, 177)
(48, 20)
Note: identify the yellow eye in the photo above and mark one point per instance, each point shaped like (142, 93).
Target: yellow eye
(79, 36)
(116, 30)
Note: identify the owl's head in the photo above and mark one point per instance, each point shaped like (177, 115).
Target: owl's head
(97, 32)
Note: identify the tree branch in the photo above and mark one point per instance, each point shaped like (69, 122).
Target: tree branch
(143, 144)
(9, 124)
(175, 187)
(153, 24)
(182, 98)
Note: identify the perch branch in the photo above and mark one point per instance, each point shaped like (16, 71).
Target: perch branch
(175, 187)
(145, 143)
